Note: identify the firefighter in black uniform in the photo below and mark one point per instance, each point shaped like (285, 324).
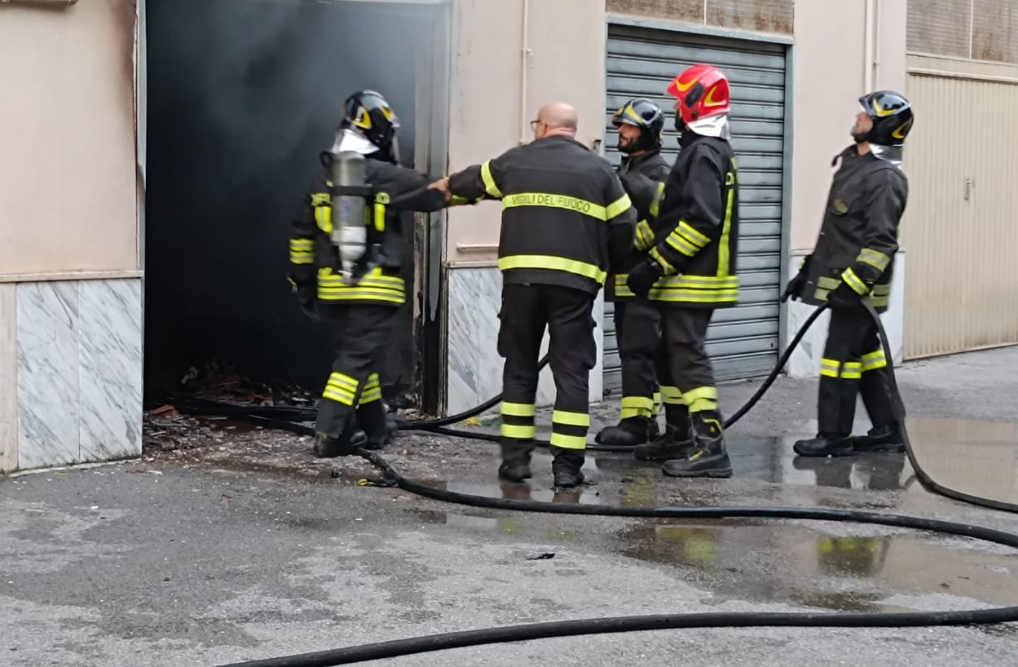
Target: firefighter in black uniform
(853, 262)
(566, 222)
(637, 322)
(690, 270)
(360, 312)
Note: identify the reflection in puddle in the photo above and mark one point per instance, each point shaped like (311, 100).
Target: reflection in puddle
(857, 572)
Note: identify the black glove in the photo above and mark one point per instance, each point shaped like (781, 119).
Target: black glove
(797, 284)
(843, 297)
(643, 276)
(307, 299)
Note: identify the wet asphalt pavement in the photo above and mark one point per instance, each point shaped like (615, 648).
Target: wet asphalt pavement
(163, 564)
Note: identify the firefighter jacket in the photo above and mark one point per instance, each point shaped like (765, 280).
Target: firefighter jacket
(640, 176)
(315, 266)
(566, 219)
(694, 227)
(859, 234)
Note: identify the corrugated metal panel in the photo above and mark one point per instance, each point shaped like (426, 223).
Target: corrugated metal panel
(959, 230)
(742, 341)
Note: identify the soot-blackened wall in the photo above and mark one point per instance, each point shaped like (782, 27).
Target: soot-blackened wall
(243, 95)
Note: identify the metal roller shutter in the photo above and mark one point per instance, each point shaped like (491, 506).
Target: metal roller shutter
(742, 341)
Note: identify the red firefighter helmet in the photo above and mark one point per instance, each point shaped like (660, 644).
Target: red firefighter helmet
(702, 90)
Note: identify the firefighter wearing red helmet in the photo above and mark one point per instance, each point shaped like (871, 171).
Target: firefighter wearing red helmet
(690, 271)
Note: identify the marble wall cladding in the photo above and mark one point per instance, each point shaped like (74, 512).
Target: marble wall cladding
(805, 361)
(79, 375)
(474, 366)
(8, 378)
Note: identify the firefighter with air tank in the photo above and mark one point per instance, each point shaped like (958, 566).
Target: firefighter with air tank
(345, 262)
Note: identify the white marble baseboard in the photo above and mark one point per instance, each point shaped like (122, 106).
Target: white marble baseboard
(78, 374)
(473, 364)
(805, 361)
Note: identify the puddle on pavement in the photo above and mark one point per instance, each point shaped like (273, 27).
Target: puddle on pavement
(861, 571)
(976, 457)
(228, 425)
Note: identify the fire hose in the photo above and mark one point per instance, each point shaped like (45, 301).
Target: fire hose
(439, 642)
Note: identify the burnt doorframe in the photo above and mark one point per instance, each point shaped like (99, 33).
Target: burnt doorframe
(431, 156)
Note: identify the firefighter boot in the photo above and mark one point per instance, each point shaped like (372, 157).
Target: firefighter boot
(567, 467)
(390, 424)
(825, 444)
(675, 443)
(880, 439)
(515, 465)
(629, 432)
(708, 457)
(335, 432)
(371, 418)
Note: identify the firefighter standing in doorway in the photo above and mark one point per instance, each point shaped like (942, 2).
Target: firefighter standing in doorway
(852, 264)
(359, 312)
(566, 222)
(690, 270)
(637, 322)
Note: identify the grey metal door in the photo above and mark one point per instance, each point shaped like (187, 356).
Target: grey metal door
(742, 341)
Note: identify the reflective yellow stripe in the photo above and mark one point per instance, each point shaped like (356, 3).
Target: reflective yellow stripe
(320, 199)
(299, 244)
(568, 441)
(302, 258)
(489, 181)
(323, 218)
(341, 380)
(553, 263)
(851, 370)
(338, 397)
(659, 258)
(549, 200)
(380, 217)
(341, 389)
(693, 236)
(830, 368)
(874, 258)
(694, 296)
(685, 281)
(702, 399)
(657, 403)
(672, 396)
(853, 281)
(518, 432)
(655, 203)
(518, 409)
(828, 283)
(372, 382)
(618, 207)
(354, 294)
(873, 361)
(724, 261)
(570, 418)
(680, 244)
(370, 396)
(636, 406)
(644, 237)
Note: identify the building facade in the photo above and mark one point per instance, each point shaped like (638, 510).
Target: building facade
(71, 249)
(73, 175)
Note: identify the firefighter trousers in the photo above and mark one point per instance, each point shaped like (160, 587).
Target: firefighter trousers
(685, 371)
(854, 363)
(360, 334)
(638, 332)
(526, 311)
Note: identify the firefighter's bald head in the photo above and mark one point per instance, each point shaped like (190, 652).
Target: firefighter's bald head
(556, 119)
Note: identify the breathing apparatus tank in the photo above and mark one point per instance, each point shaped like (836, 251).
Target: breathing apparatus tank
(350, 194)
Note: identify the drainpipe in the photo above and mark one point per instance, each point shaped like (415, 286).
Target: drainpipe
(867, 75)
(524, 62)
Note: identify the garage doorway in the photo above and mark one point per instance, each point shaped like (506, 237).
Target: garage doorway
(242, 97)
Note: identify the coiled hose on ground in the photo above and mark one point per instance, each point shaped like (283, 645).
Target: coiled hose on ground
(391, 649)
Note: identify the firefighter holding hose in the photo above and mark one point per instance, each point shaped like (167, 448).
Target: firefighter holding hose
(345, 262)
(853, 264)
